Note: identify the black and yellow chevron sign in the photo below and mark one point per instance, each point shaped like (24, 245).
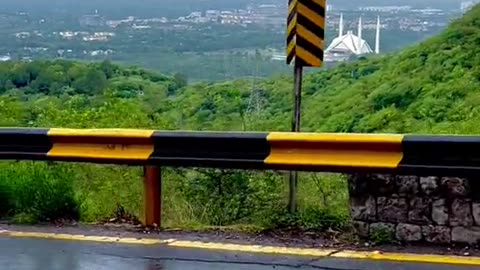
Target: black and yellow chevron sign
(306, 32)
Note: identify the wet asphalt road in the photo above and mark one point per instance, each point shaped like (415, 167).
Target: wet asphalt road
(39, 254)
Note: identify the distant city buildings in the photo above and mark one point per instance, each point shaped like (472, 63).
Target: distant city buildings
(4, 58)
(115, 23)
(391, 9)
(22, 35)
(100, 52)
(99, 36)
(271, 15)
(35, 49)
(85, 36)
(395, 19)
(268, 15)
(92, 20)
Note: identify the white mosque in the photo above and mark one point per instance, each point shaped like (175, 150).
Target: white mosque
(345, 46)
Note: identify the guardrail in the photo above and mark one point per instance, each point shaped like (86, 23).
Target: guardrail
(277, 151)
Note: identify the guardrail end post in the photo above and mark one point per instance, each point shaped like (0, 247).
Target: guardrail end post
(152, 195)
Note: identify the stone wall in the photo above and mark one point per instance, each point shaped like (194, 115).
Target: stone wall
(416, 209)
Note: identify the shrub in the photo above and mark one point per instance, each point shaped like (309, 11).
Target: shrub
(41, 190)
(382, 236)
(311, 219)
(222, 197)
(5, 199)
(319, 219)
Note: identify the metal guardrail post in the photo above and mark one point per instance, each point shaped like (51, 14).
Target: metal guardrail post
(152, 195)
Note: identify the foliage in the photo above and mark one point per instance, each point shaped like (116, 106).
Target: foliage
(311, 218)
(24, 218)
(227, 196)
(180, 80)
(5, 199)
(382, 236)
(39, 191)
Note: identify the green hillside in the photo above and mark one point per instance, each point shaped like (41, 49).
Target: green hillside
(433, 87)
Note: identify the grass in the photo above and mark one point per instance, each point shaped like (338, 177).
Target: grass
(31, 192)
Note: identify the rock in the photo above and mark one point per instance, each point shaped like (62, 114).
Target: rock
(469, 235)
(440, 212)
(407, 185)
(437, 234)
(358, 184)
(420, 212)
(429, 185)
(476, 213)
(408, 232)
(455, 186)
(461, 213)
(392, 209)
(363, 208)
(381, 184)
(361, 228)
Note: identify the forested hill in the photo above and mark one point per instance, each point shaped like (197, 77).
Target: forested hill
(433, 87)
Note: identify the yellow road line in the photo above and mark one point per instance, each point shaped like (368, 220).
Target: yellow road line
(320, 252)
(311, 252)
(408, 257)
(88, 238)
(253, 248)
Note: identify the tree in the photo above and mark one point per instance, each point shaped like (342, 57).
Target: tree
(108, 68)
(50, 79)
(91, 83)
(76, 71)
(181, 80)
(20, 76)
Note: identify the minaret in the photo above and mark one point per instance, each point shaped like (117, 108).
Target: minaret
(377, 37)
(340, 31)
(359, 33)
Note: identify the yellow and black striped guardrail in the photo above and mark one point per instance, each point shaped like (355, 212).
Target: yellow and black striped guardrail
(275, 150)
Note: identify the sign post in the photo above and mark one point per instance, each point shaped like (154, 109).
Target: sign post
(305, 46)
